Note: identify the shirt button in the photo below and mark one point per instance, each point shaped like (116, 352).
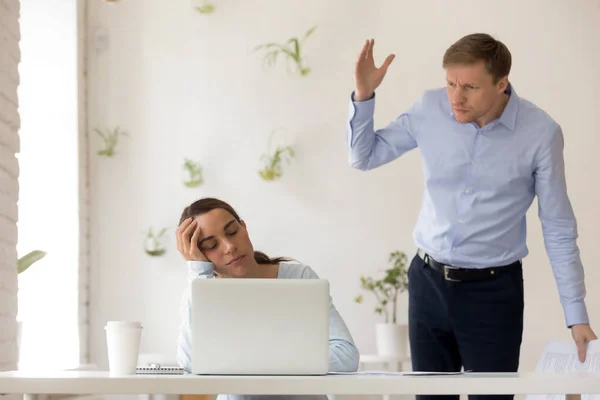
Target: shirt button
(462, 221)
(468, 191)
(472, 161)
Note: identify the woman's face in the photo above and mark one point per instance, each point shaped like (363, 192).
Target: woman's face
(224, 241)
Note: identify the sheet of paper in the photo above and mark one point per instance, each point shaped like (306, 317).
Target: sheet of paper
(563, 357)
(429, 373)
(404, 373)
(367, 373)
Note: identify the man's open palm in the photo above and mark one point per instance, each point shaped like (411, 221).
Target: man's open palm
(367, 76)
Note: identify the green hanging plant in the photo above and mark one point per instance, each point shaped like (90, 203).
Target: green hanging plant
(272, 162)
(153, 244)
(290, 49)
(111, 139)
(205, 8)
(193, 173)
(29, 259)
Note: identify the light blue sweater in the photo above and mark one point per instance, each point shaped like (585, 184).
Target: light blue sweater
(343, 354)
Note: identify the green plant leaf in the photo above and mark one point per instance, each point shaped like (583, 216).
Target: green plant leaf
(29, 259)
(110, 140)
(101, 134)
(293, 53)
(152, 244)
(194, 172)
(296, 48)
(266, 46)
(310, 31)
(272, 163)
(193, 183)
(294, 56)
(205, 8)
(387, 288)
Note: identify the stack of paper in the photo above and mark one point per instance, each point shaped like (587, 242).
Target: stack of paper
(407, 373)
(563, 357)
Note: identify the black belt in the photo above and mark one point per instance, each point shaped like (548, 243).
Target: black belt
(458, 274)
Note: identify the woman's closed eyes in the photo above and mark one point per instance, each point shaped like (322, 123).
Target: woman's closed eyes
(212, 243)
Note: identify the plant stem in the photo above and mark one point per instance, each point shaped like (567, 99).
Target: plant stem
(383, 306)
(394, 305)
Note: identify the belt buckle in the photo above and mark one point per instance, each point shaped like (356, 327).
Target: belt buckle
(446, 276)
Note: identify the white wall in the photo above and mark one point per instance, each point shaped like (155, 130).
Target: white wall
(183, 84)
(9, 186)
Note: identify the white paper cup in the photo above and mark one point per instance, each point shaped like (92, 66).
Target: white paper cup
(123, 344)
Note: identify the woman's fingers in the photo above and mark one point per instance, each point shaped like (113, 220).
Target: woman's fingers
(178, 236)
(194, 250)
(183, 234)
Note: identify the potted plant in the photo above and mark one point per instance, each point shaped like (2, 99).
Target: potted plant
(23, 264)
(153, 245)
(272, 162)
(291, 50)
(110, 139)
(391, 337)
(193, 173)
(204, 6)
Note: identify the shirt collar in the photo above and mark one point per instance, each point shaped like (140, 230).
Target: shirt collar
(509, 115)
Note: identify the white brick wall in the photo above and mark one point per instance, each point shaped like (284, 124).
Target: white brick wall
(9, 186)
(84, 187)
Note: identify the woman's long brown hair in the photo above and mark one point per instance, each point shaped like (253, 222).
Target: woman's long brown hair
(207, 204)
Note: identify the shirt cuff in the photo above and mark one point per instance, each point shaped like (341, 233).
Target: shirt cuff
(362, 109)
(200, 269)
(576, 313)
(358, 112)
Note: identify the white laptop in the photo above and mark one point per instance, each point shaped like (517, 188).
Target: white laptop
(260, 326)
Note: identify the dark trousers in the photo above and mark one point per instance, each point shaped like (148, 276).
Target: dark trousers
(475, 325)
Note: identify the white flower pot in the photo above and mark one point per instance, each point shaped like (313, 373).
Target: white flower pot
(391, 340)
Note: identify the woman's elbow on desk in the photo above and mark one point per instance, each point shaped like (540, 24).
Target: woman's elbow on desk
(343, 356)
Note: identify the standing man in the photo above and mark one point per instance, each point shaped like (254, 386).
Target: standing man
(486, 154)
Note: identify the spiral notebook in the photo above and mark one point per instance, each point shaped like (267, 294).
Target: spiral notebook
(157, 369)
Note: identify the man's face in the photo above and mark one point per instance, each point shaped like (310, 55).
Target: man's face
(472, 92)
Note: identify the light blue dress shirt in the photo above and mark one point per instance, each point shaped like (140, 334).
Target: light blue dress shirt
(343, 353)
(479, 183)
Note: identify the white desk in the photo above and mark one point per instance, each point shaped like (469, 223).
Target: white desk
(393, 364)
(72, 382)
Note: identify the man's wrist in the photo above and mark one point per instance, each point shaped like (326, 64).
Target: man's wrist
(580, 324)
(358, 96)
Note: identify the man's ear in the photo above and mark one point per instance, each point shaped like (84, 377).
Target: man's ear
(503, 84)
